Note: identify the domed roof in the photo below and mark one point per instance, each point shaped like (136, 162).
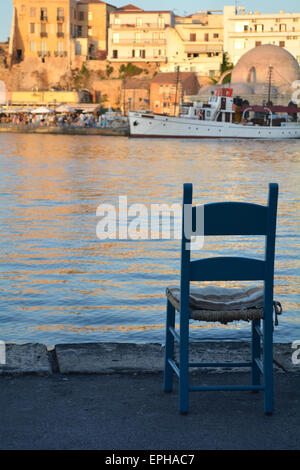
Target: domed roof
(242, 88)
(253, 66)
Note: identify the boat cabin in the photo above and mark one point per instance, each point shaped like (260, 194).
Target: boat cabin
(220, 107)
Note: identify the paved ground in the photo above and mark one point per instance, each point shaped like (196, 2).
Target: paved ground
(130, 411)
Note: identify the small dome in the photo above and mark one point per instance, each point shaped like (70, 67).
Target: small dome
(208, 89)
(241, 89)
(253, 67)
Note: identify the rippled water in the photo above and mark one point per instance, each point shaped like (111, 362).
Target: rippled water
(59, 283)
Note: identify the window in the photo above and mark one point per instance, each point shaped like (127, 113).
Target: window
(116, 37)
(44, 15)
(81, 18)
(192, 36)
(259, 28)
(282, 43)
(90, 16)
(78, 48)
(32, 12)
(60, 30)
(206, 37)
(139, 22)
(139, 53)
(43, 30)
(282, 27)
(79, 32)
(117, 20)
(138, 37)
(32, 46)
(43, 47)
(32, 28)
(90, 31)
(60, 47)
(60, 13)
(161, 22)
(241, 27)
(115, 53)
(257, 43)
(239, 44)
(216, 35)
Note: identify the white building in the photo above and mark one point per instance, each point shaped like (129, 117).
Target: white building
(136, 35)
(245, 30)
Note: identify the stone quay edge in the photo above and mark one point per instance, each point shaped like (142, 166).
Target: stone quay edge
(107, 358)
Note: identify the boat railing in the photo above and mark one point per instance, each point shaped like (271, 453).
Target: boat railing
(265, 109)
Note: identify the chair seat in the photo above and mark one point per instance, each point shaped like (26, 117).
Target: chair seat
(218, 304)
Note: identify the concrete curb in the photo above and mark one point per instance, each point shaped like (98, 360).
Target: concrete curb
(106, 358)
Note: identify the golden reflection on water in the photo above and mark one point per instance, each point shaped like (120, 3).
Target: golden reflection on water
(54, 267)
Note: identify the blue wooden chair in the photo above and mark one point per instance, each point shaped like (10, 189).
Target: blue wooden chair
(225, 219)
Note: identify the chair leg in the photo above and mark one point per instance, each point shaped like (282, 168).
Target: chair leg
(184, 365)
(268, 364)
(169, 348)
(255, 353)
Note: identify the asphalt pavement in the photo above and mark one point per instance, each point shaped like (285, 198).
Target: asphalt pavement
(130, 411)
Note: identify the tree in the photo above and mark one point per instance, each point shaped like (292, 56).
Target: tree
(225, 66)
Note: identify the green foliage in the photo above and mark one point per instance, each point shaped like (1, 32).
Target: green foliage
(129, 70)
(109, 70)
(224, 67)
(226, 64)
(81, 77)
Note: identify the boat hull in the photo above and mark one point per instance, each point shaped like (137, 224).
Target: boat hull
(154, 125)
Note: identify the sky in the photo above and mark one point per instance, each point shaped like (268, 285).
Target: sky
(190, 6)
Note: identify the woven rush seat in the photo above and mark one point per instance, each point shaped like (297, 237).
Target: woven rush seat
(218, 304)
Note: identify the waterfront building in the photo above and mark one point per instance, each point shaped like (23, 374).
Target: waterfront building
(167, 90)
(196, 44)
(136, 35)
(59, 28)
(245, 30)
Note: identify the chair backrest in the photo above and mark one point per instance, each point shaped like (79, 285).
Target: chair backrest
(223, 219)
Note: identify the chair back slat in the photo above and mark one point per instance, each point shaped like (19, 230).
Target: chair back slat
(227, 269)
(230, 218)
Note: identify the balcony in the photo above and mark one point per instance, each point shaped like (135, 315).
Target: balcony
(129, 58)
(141, 42)
(60, 19)
(44, 18)
(60, 35)
(44, 53)
(142, 26)
(199, 48)
(44, 35)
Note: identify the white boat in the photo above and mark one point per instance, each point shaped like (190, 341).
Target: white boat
(219, 118)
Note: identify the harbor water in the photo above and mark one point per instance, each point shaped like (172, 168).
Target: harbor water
(60, 284)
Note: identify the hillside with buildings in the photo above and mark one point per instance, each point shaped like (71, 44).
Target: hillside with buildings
(94, 46)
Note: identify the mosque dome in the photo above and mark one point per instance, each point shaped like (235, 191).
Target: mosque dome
(253, 67)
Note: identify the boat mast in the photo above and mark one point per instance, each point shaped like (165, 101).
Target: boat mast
(176, 91)
(270, 83)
